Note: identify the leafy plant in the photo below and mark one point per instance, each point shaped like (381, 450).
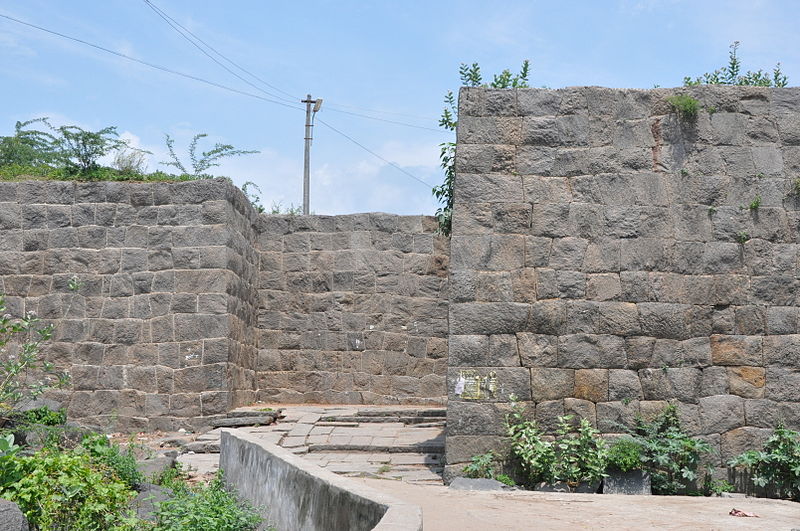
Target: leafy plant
(535, 455)
(65, 490)
(685, 105)
(755, 203)
(577, 455)
(506, 480)
(777, 465)
(78, 150)
(24, 373)
(731, 74)
(9, 472)
(715, 487)
(130, 161)
(580, 454)
(670, 455)
(481, 466)
(211, 508)
(27, 147)
(42, 415)
(123, 464)
(470, 77)
(625, 454)
(253, 197)
(201, 163)
(277, 208)
(742, 237)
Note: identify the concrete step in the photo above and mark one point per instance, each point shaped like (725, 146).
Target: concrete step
(402, 412)
(232, 422)
(417, 448)
(384, 419)
(251, 412)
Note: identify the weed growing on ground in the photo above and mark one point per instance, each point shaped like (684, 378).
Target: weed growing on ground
(481, 466)
(211, 508)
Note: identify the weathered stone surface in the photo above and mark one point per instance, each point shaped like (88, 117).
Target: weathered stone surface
(552, 384)
(721, 413)
(537, 350)
(462, 483)
(736, 350)
(747, 382)
(11, 517)
(591, 384)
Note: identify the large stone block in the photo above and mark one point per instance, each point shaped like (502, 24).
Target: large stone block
(721, 413)
(579, 351)
(736, 350)
(476, 418)
(489, 318)
(552, 384)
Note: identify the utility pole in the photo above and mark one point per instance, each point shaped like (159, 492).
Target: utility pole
(307, 158)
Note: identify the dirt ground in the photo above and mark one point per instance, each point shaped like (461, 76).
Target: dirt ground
(447, 510)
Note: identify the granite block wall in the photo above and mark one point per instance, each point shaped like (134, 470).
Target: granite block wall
(157, 334)
(353, 309)
(610, 256)
(191, 303)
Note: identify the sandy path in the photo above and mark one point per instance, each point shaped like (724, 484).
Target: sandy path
(448, 510)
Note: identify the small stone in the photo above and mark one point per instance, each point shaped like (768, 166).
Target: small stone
(462, 483)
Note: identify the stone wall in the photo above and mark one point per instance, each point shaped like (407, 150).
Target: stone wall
(609, 257)
(158, 329)
(180, 282)
(353, 309)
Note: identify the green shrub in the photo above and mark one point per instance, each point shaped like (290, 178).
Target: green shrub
(577, 455)
(625, 455)
(481, 466)
(506, 480)
(685, 105)
(41, 415)
(670, 455)
(24, 373)
(777, 466)
(66, 490)
(102, 451)
(535, 455)
(580, 454)
(731, 74)
(210, 508)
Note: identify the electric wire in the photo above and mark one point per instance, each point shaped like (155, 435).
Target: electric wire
(151, 65)
(183, 31)
(365, 148)
(211, 83)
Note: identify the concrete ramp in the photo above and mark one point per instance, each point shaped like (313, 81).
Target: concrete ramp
(294, 494)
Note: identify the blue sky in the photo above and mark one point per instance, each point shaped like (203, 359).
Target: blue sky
(391, 59)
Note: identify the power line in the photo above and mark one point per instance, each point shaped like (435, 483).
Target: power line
(376, 111)
(174, 24)
(183, 31)
(151, 65)
(211, 83)
(368, 150)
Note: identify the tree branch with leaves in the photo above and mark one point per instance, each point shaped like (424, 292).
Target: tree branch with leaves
(470, 77)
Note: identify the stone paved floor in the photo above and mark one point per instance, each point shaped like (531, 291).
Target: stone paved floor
(391, 450)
